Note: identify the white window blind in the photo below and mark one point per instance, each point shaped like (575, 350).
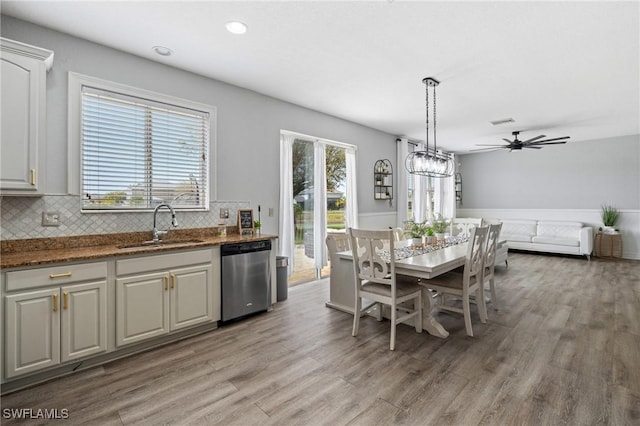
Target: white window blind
(138, 153)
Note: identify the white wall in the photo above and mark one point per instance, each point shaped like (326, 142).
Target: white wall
(560, 182)
(248, 129)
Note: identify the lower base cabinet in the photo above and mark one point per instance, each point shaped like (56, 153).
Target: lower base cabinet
(52, 316)
(47, 327)
(156, 303)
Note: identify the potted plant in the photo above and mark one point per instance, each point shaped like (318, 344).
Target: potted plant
(610, 216)
(418, 230)
(421, 230)
(257, 225)
(439, 226)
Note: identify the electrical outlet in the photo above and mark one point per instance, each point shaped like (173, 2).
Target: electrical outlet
(50, 218)
(270, 211)
(224, 213)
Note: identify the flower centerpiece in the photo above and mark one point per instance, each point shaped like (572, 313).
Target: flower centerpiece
(610, 216)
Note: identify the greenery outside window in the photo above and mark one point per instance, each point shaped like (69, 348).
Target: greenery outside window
(138, 149)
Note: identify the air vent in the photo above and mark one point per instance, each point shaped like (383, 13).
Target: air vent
(503, 121)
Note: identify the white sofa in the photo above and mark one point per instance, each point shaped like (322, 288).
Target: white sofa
(548, 236)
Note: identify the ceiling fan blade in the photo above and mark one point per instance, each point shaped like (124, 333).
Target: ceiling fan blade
(546, 143)
(531, 147)
(507, 140)
(534, 139)
(554, 139)
(484, 144)
(490, 148)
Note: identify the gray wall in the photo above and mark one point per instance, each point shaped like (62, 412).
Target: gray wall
(248, 125)
(577, 175)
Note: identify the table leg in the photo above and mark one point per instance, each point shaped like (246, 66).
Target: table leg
(429, 323)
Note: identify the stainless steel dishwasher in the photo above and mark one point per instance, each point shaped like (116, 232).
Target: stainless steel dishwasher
(246, 278)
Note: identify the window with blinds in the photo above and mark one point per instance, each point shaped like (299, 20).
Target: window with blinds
(137, 153)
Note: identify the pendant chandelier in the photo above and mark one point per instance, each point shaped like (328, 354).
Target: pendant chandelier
(430, 162)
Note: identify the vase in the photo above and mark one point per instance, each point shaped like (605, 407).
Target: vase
(440, 236)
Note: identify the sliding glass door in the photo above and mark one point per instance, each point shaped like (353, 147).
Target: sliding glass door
(319, 197)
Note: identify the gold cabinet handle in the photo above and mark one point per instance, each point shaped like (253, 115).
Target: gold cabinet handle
(55, 302)
(65, 300)
(173, 281)
(166, 283)
(33, 177)
(64, 275)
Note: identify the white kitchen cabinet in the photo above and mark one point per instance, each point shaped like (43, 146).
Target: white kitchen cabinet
(156, 295)
(84, 320)
(142, 307)
(22, 116)
(55, 324)
(32, 331)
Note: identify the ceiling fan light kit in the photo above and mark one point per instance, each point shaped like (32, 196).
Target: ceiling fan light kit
(518, 145)
(430, 162)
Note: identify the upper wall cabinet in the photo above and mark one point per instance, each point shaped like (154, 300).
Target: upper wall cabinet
(23, 122)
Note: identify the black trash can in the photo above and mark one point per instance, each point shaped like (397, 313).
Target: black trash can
(282, 264)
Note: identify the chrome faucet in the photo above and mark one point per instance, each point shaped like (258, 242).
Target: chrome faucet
(157, 235)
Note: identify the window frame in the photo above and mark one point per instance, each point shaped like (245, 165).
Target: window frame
(74, 129)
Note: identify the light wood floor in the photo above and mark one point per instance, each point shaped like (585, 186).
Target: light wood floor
(563, 349)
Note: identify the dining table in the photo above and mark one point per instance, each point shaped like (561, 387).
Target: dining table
(415, 263)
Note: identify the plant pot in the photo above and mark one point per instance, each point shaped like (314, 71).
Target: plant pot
(608, 230)
(439, 236)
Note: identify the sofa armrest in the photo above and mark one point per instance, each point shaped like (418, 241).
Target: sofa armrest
(586, 240)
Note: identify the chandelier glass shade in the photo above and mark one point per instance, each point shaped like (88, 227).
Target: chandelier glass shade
(429, 161)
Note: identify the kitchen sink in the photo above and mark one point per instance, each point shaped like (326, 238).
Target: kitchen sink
(157, 244)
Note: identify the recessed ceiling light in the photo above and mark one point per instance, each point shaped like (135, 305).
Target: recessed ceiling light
(236, 27)
(162, 51)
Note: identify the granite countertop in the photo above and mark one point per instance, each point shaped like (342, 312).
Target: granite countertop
(42, 251)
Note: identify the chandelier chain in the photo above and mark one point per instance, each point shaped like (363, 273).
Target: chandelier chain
(427, 109)
(435, 149)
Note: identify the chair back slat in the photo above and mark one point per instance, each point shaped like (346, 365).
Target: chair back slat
(492, 243)
(367, 246)
(337, 242)
(475, 251)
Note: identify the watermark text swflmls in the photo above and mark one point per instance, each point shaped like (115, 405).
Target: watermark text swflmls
(35, 413)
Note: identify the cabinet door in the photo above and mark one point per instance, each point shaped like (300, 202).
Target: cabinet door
(22, 125)
(142, 307)
(32, 331)
(191, 296)
(84, 320)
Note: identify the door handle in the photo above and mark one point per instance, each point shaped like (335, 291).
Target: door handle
(166, 283)
(173, 280)
(65, 300)
(55, 302)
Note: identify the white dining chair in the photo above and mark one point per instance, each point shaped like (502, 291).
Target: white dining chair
(462, 285)
(490, 261)
(375, 280)
(398, 234)
(461, 226)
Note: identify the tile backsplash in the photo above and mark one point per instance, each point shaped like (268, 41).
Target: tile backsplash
(21, 218)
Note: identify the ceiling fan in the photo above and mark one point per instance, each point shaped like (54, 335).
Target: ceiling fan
(533, 143)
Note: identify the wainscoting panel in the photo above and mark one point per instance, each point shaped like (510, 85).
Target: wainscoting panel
(377, 220)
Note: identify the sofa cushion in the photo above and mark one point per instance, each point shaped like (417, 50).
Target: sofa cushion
(571, 242)
(518, 228)
(562, 230)
(515, 237)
